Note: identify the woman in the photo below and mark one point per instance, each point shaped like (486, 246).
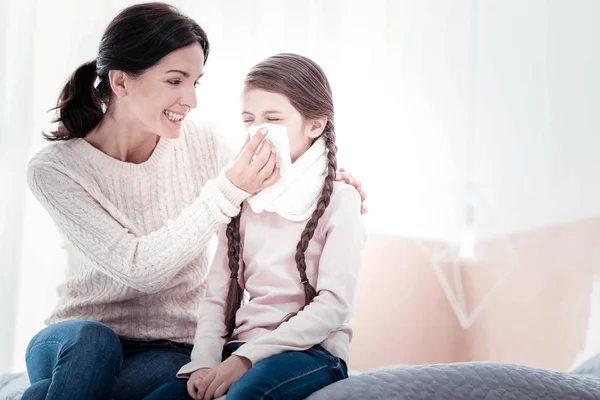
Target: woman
(137, 191)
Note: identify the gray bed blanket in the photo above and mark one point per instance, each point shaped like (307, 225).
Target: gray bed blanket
(478, 381)
(12, 386)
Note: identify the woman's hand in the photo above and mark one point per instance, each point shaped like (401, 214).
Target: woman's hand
(219, 379)
(194, 381)
(253, 173)
(347, 177)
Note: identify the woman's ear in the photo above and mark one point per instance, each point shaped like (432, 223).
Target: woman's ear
(117, 81)
(317, 126)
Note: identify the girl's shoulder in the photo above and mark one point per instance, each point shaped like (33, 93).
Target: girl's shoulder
(345, 202)
(343, 215)
(344, 193)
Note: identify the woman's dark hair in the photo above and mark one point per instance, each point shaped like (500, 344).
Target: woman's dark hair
(304, 83)
(135, 40)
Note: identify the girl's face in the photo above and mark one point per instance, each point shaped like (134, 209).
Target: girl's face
(260, 106)
(159, 100)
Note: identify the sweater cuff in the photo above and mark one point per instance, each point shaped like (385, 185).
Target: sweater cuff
(252, 353)
(191, 367)
(231, 192)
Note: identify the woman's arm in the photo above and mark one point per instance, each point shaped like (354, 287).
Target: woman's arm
(145, 263)
(148, 262)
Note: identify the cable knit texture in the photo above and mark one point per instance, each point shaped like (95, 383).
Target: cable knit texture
(137, 234)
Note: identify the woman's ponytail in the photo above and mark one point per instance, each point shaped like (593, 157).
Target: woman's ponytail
(79, 105)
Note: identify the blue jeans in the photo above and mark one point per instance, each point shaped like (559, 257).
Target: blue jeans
(289, 376)
(87, 360)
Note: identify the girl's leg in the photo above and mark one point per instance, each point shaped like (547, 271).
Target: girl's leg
(291, 375)
(73, 360)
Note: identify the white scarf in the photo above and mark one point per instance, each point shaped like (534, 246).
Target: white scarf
(295, 195)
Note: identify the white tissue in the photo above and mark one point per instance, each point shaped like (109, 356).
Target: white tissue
(277, 135)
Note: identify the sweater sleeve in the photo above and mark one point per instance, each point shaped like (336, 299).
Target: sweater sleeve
(208, 342)
(145, 263)
(338, 271)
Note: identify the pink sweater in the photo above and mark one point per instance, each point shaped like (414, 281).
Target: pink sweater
(273, 283)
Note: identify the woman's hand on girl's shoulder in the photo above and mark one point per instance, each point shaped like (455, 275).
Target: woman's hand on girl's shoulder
(345, 176)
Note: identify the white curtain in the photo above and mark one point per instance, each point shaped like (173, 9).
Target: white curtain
(410, 77)
(16, 128)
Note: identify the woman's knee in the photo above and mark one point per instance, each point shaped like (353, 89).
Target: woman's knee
(94, 332)
(86, 339)
(94, 341)
(69, 332)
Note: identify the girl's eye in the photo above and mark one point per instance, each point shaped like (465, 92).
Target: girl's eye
(174, 82)
(273, 119)
(196, 84)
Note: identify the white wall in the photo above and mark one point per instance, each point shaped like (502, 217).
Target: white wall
(538, 99)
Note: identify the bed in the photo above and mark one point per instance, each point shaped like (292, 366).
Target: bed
(12, 386)
(485, 381)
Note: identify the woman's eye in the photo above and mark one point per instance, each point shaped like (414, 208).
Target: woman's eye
(174, 81)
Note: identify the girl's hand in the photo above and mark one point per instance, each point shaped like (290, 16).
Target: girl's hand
(219, 379)
(194, 381)
(253, 173)
(347, 177)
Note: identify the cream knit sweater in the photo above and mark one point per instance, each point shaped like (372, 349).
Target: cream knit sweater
(137, 234)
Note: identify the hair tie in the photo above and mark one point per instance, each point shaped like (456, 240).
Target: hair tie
(233, 275)
(305, 281)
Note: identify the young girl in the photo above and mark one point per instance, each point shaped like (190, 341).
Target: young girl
(295, 248)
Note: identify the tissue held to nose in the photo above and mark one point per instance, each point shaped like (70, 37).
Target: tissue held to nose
(277, 135)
